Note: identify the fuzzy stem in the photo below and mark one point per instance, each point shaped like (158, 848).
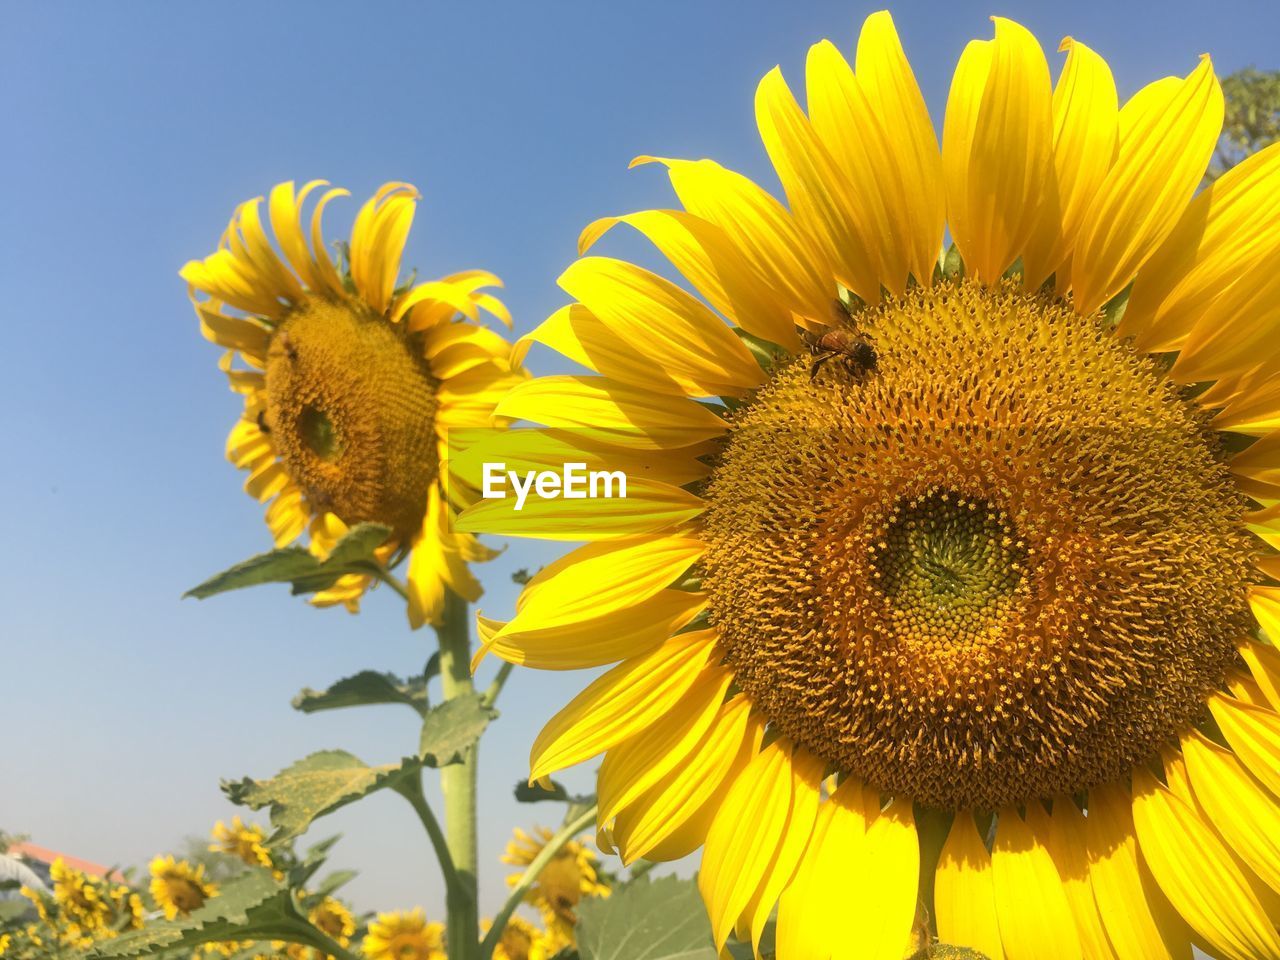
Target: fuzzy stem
(458, 783)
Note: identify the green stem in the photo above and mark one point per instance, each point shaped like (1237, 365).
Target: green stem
(382, 573)
(458, 783)
(530, 876)
(411, 790)
(495, 688)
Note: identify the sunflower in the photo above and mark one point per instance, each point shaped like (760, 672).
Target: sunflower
(351, 382)
(248, 843)
(80, 897)
(568, 877)
(334, 919)
(177, 887)
(939, 580)
(521, 940)
(404, 936)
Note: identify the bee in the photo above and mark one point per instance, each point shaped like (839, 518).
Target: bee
(262, 422)
(853, 345)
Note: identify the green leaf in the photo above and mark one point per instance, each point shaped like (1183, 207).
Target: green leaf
(354, 553)
(251, 906)
(536, 794)
(662, 919)
(315, 786)
(449, 729)
(366, 687)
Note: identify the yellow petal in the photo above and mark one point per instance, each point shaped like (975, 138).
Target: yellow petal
(963, 893)
(805, 928)
(377, 242)
(1263, 659)
(1138, 919)
(1066, 842)
(734, 860)
(1223, 232)
(1247, 816)
(626, 415)
(815, 188)
(601, 578)
(997, 148)
(673, 816)
(806, 779)
(848, 126)
(621, 703)
(885, 77)
(648, 507)
(1254, 734)
(707, 257)
(636, 764)
(608, 638)
(762, 230)
(1023, 873)
(886, 909)
(1085, 122)
(1198, 875)
(1236, 330)
(682, 338)
(1167, 137)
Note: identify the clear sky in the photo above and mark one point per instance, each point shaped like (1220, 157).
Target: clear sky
(131, 130)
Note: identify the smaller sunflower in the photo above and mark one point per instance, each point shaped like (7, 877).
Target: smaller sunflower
(521, 940)
(79, 896)
(404, 936)
(178, 887)
(570, 876)
(351, 382)
(247, 842)
(333, 917)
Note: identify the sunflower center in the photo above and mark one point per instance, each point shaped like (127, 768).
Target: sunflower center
(1004, 562)
(351, 410)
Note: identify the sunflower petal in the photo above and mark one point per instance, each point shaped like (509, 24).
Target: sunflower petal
(1022, 873)
(963, 893)
(997, 147)
(734, 861)
(815, 188)
(680, 336)
(1168, 133)
(673, 816)
(1254, 734)
(705, 255)
(885, 76)
(1198, 874)
(1138, 920)
(621, 703)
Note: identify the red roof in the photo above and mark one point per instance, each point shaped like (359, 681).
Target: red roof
(44, 855)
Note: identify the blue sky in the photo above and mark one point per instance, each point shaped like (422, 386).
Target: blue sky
(131, 131)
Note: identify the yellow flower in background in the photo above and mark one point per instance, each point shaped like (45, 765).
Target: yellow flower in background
(127, 905)
(404, 936)
(563, 882)
(351, 382)
(79, 896)
(334, 919)
(521, 940)
(245, 842)
(177, 887)
(994, 555)
(5, 941)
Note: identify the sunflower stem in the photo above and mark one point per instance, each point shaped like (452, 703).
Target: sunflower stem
(495, 688)
(530, 876)
(458, 784)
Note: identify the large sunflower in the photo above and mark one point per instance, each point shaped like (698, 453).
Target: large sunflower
(351, 382)
(938, 584)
